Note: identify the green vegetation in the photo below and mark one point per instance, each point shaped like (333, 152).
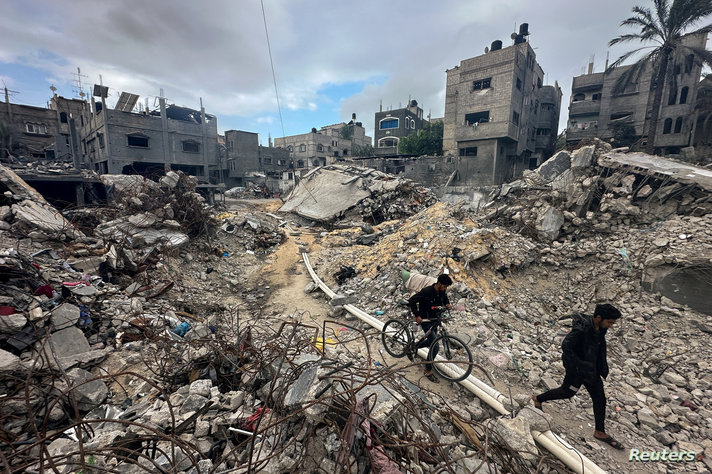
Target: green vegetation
(428, 141)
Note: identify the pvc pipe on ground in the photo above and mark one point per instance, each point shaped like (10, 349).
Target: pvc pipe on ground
(554, 444)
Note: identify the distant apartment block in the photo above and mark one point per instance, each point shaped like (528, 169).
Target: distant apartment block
(393, 125)
(595, 111)
(325, 146)
(500, 118)
(122, 141)
(247, 161)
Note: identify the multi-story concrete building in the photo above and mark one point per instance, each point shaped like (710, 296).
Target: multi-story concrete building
(28, 131)
(247, 161)
(393, 125)
(500, 118)
(595, 111)
(121, 141)
(325, 146)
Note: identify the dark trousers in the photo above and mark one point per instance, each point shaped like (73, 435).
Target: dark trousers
(428, 341)
(571, 385)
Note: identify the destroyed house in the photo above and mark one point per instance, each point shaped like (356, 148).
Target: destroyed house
(597, 111)
(500, 118)
(30, 133)
(124, 141)
(247, 161)
(391, 126)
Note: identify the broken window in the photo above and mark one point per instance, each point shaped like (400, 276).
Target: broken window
(281, 162)
(515, 117)
(388, 123)
(100, 139)
(683, 94)
(667, 126)
(621, 116)
(137, 140)
(36, 128)
(538, 82)
(543, 131)
(596, 96)
(579, 97)
(267, 160)
(302, 147)
(290, 148)
(191, 146)
(477, 117)
(63, 117)
(345, 152)
(519, 84)
(481, 84)
(300, 164)
(320, 147)
(468, 151)
(678, 125)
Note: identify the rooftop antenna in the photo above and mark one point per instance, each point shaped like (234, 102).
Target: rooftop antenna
(78, 88)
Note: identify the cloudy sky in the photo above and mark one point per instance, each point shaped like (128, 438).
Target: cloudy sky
(331, 58)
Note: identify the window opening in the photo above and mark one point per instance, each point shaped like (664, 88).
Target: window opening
(140, 141)
(667, 126)
(678, 125)
(683, 95)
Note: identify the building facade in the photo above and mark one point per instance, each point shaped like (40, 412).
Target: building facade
(596, 111)
(325, 146)
(121, 141)
(392, 125)
(500, 119)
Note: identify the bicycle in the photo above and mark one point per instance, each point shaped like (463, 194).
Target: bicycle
(455, 362)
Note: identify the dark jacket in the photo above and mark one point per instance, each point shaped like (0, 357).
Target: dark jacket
(422, 302)
(584, 349)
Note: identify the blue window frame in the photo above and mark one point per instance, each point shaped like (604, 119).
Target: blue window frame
(389, 123)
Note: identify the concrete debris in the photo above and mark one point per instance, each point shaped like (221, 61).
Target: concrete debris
(332, 193)
(88, 342)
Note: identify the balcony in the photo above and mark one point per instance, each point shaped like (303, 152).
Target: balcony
(487, 131)
(588, 82)
(579, 134)
(585, 107)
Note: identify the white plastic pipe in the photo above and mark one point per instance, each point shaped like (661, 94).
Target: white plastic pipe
(558, 447)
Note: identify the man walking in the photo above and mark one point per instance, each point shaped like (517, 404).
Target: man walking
(423, 305)
(584, 358)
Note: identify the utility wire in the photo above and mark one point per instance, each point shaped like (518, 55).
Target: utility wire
(274, 78)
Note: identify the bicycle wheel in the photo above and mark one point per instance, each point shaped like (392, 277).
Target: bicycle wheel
(396, 337)
(455, 361)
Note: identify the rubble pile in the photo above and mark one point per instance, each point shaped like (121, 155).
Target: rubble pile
(519, 274)
(334, 194)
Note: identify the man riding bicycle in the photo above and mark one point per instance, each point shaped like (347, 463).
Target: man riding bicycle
(425, 306)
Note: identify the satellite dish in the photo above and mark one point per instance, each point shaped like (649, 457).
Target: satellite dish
(52, 88)
(513, 35)
(486, 50)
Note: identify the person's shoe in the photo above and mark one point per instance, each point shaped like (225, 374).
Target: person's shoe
(537, 403)
(611, 441)
(431, 376)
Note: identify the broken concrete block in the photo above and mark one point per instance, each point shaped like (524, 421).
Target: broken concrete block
(5, 212)
(193, 402)
(517, 434)
(8, 362)
(170, 180)
(64, 316)
(201, 387)
(554, 166)
(341, 300)
(46, 219)
(537, 419)
(301, 387)
(583, 157)
(68, 342)
(549, 223)
(88, 393)
(12, 323)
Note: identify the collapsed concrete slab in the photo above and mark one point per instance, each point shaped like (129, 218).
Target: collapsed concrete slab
(660, 167)
(328, 193)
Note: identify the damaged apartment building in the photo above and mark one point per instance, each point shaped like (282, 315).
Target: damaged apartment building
(249, 162)
(596, 110)
(500, 118)
(122, 141)
(327, 145)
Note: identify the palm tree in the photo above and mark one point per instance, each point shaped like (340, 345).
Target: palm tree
(664, 26)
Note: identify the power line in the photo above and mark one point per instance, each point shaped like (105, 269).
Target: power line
(274, 77)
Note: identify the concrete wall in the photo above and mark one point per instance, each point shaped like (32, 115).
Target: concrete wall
(31, 144)
(242, 153)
